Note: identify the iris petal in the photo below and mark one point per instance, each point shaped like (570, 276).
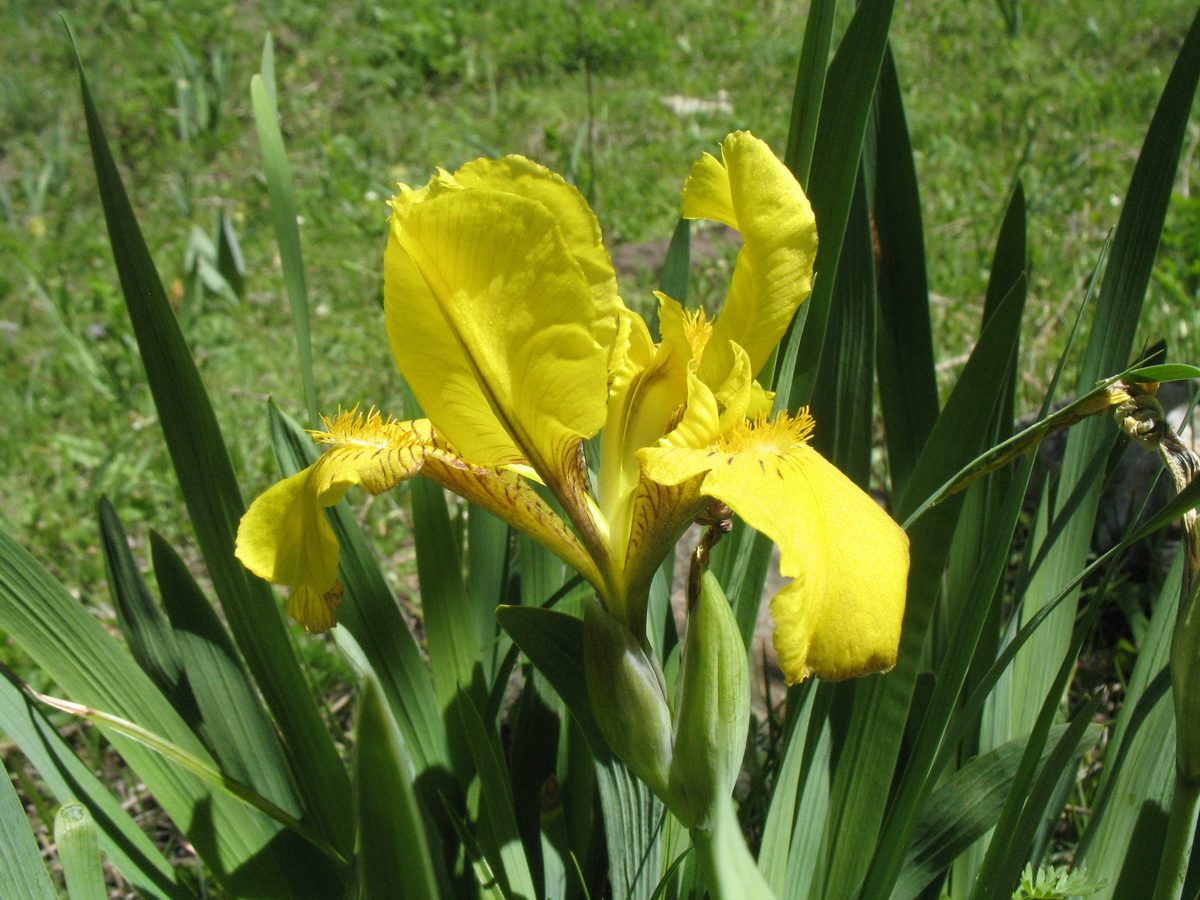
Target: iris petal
(840, 616)
(285, 538)
(580, 229)
(752, 191)
(495, 326)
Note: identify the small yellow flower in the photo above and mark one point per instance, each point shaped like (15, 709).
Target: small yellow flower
(502, 311)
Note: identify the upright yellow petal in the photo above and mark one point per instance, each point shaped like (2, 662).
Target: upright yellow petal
(647, 389)
(495, 326)
(752, 191)
(840, 616)
(579, 226)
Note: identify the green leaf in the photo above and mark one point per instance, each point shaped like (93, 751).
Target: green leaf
(23, 875)
(230, 264)
(1140, 226)
(191, 762)
(673, 280)
(946, 453)
(773, 853)
(79, 852)
(845, 106)
(498, 834)
(77, 653)
(842, 405)
(1124, 841)
(235, 725)
(393, 853)
(908, 392)
(806, 842)
(863, 781)
(963, 808)
(810, 87)
(1119, 307)
(633, 828)
(214, 502)
(125, 845)
(266, 70)
(1032, 796)
(287, 228)
(553, 641)
(455, 627)
(1009, 272)
(537, 723)
(490, 546)
(143, 624)
(1169, 372)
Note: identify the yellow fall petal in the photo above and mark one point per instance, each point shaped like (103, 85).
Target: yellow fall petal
(496, 328)
(752, 191)
(285, 538)
(840, 616)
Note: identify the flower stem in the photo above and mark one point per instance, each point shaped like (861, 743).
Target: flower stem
(729, 870)
(1177, 845)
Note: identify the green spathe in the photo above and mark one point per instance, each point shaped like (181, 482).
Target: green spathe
(714, 708)
(625, 689)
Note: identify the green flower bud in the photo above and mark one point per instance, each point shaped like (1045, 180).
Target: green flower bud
(629, 703)
(714, 708)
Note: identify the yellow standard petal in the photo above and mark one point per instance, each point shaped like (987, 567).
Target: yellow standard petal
(579, 226)
(752, 191)
(840, 616)
(496, 326)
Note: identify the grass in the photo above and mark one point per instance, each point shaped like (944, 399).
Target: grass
(369, 96)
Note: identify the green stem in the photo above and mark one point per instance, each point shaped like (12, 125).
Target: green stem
(729, 870)
(1177, 846)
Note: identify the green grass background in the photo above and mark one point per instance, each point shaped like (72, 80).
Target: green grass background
(373, 93)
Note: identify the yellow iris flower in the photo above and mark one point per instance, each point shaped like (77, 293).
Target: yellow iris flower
(502, 310)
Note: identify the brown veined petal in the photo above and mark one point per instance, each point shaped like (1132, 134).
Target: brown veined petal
(659, 515)
(840, 617)
(510, 497)
(285, 538)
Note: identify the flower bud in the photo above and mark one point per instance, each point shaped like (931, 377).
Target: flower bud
(625, 688)
(714, 707)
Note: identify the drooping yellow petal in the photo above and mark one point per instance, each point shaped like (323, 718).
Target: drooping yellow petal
(285, 538)
(495, 325)
(752, 191)
(840, 616)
